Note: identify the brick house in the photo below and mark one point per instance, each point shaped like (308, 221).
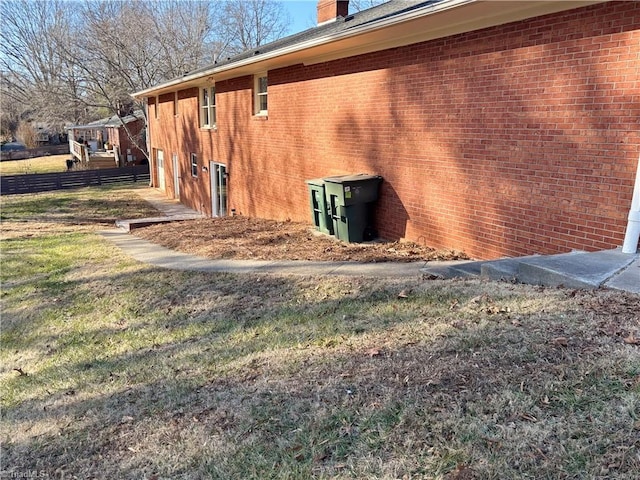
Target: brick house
(123, 135)
(499, 128)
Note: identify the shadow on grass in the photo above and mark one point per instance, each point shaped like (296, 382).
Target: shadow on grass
(266, 377)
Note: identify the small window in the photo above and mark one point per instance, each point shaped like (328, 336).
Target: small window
(194, 165)
(261, 94)
(208, 107)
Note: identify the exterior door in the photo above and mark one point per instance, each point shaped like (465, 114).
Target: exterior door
(176, 177)
(218, 175)
(160, 164)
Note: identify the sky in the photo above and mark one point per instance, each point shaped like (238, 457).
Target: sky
(302, 13)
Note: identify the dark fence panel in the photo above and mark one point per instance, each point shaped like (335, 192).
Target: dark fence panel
(43, 182)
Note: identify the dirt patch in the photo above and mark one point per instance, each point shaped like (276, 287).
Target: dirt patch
(241, 237)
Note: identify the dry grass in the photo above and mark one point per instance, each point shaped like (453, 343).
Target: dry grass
(111, 369)
(47, 164)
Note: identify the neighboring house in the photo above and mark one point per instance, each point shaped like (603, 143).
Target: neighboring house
(46, 135)
(499, 128)
(121, 139)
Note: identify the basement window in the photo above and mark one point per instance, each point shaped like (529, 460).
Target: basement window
(194, 165)
(260, 89)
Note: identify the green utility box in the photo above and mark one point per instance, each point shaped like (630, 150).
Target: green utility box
(350, 199)
(319, 207)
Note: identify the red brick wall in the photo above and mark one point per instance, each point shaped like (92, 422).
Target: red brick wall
(512, 140)
(118, 136)
(330, 9)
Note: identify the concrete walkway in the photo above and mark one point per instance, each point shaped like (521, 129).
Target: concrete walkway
(147, 252)
(607, 268)
(611, 268)
(172, 211)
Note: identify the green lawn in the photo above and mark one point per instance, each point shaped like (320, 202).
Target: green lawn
(47, 164)
(114, 369)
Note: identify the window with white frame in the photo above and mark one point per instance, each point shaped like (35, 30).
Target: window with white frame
(194, 165)
(208, 107)
(260, 87)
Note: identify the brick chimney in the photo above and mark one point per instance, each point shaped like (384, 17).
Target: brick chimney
(329, 10)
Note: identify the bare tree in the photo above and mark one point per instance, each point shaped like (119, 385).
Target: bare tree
(124, 46)
(359, 5)
(250, 23)
(186, 36)
(10, 110)
(30, 60)
(113, 52)
(77, 61)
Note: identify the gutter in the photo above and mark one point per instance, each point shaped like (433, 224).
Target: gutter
(316, 42)
(632, 237)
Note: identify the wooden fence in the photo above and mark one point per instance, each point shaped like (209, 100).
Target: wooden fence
(42, 182)
(35, 152)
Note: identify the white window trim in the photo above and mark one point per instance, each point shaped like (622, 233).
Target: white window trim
(211, 107)
(257, 95)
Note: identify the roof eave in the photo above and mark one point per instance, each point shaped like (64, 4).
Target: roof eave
(107, 123)
(167, 86)
(499, 12)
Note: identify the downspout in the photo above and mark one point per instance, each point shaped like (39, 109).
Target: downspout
(632, 236)
(148, 141)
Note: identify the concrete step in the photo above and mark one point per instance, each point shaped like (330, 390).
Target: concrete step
(452, 269)
(128, 225)
(573, 270)
(502, 270)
